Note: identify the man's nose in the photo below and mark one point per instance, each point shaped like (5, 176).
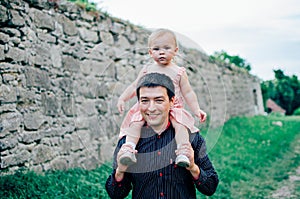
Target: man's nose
(151, 106)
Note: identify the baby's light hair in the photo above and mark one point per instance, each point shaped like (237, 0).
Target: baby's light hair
(160, 32)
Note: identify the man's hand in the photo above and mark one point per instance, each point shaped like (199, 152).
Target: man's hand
(121, 169)
(187, 150)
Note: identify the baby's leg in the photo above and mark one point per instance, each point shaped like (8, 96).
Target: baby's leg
(181, 137)
(133, 134)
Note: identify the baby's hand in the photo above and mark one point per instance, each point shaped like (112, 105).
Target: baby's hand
(121, 106)
(202, 116)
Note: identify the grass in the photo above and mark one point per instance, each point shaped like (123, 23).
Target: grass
(73, 183)
(251, 155)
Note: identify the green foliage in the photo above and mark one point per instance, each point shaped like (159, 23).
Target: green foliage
(89, 6)
(277, 114)
(284, 90)
(268, 90)
(224, 57)
(74, 183)
(252, 157)
(297, 111)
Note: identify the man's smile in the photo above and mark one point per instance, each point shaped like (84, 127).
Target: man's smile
(152, 115)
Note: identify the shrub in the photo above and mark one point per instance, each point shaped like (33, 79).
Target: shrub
(297, 111)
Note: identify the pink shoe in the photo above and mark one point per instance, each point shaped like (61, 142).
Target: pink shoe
(182, 160)
(128, 158)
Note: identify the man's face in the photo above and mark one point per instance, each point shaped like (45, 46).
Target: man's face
(155, 106)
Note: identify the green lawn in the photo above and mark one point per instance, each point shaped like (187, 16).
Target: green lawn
(251, 155)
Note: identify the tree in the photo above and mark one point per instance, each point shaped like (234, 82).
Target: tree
(268, 91)
(284, 90)
(225, 58)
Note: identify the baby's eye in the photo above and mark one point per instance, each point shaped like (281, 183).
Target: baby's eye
(155, 49)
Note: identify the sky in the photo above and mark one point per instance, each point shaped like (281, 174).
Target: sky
(266, 33)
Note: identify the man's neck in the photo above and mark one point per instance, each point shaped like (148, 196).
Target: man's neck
(162, 128)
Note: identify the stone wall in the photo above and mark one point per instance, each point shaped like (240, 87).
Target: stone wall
(61, 72)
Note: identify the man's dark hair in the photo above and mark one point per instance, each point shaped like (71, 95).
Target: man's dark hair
(155, 80)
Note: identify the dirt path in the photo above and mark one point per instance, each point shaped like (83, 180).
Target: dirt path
(288, 190)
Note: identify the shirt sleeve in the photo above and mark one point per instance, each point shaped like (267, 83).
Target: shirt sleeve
(208, 180)
(118, 189)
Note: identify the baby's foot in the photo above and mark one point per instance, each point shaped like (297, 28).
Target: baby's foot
(128, 158)
(182, 160)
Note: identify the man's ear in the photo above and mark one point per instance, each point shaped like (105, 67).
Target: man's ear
(172, 100)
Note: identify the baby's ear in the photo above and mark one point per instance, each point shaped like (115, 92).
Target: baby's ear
(176, 49)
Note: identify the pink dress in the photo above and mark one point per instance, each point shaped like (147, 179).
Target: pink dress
(178, 112)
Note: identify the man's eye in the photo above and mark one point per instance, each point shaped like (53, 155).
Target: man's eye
(144, 101)
(159, 101)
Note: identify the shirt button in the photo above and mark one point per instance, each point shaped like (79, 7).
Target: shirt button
(158, 153)
(160, 174)
(158, 136)
(161, 194)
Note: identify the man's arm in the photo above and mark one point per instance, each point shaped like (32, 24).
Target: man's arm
(118, 189)
(118, 184)
(207, 180)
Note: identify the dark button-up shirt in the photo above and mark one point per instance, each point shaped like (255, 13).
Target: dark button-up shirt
(157, 176)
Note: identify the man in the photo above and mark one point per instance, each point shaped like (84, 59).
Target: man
(155, 175)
